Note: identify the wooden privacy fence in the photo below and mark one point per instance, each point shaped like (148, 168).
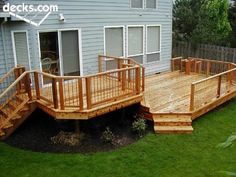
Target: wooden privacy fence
(212, 52)
(220, 79)
(79, 93)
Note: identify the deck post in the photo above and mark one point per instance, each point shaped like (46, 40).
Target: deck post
(88, 93)
(81, 101)
(143, 79)
(17, 74)
(137, 80)
(37, 87)
(100, 63)
(208, 68)
(61, 94)
(28, 86)
(123, 80)
(192, 98)
(54, 93)
(172, 65)
(219, 86)
(188, 67)
(119, 67)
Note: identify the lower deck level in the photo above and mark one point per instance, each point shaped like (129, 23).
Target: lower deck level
(168, 99)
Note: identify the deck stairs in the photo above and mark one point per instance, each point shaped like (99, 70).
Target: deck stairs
(13, 113)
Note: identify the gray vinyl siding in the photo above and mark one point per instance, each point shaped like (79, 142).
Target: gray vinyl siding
(91, 16)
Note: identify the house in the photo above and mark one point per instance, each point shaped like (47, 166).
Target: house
(69, 40)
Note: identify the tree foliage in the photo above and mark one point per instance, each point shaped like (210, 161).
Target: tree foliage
(201, 21)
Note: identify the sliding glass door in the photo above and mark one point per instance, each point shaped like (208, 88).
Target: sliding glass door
(70, 53)
(60, 53)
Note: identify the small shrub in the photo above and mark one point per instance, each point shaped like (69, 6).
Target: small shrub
(66, 138)
(139, 125)
(107, 136)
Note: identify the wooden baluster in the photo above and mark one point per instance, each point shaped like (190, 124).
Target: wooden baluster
(28, 86)
(88, 93)
(192, 98)
(100, 63)
(219, 87)
(55, 93)
(61, 94)
(138, 78)
(37, 87)
(81, 100)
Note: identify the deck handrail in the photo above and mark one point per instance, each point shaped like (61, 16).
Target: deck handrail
(4, 77)
(229, 75)
(86, 92)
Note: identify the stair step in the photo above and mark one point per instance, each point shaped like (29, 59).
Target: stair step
(2, 133)
(173, 123)
(16, 117)
(173, 129)
(8, 125)
(25, 109)
(171, 120)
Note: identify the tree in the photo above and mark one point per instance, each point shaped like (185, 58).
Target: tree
(204, 21)
(232, 20)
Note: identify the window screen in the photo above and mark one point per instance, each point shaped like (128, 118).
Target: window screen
(135, 41)
(153, 39)
(151, 4)
(136, 3)
(114, 41)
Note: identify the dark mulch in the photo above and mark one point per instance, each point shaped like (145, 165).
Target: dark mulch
(35, 134)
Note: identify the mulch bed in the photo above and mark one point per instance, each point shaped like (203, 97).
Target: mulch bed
(36, 133)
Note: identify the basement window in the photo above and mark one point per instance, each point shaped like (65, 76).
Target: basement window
(137, 4)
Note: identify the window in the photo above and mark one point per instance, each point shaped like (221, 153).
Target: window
(114, 41)
(137, 4)
(135, 43)
(21, 49)
(151, 4)
(153, 43)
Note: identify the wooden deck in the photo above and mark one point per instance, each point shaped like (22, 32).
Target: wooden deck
(195, 86)
(171, 100)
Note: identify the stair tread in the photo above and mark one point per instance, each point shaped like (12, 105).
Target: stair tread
(25, 108)
(16, 117)
(2, 133)
(173, 128)
(156, 120)
(7, 125)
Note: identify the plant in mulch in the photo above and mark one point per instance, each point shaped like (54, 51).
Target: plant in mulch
(108, 136)
(66, 138)
(139, 125)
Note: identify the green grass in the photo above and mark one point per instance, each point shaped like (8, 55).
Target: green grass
(155, 155)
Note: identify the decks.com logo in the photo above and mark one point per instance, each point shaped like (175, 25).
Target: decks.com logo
(29, 13)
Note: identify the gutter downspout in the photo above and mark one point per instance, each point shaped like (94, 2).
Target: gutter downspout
(4, 43)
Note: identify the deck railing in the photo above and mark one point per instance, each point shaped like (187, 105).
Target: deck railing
(221, 79)
(106, 63)
(79, 93)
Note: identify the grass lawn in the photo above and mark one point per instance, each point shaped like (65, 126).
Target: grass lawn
(155, 155)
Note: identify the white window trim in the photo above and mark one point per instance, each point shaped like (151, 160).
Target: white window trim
(156, 52)
(104, 35)
(130, 5)
(14, 46)
(127, 37)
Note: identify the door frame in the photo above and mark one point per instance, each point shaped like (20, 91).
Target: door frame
(58, 31)
(14, 47)
(79, 48)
